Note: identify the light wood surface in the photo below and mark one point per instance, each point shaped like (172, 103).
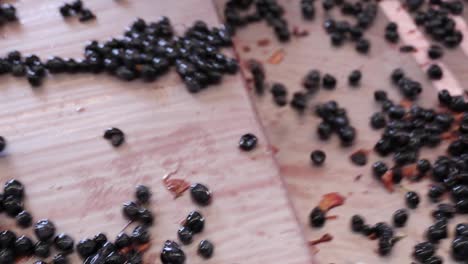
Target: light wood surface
(295, 135)
(75, 177)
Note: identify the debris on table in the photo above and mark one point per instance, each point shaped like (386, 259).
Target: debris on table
(277, 57)
(176, 186)
(325, 238)
(330, 201)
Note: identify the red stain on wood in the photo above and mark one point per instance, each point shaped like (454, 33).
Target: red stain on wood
(325, 238)
(274, 149)
(138, 248)
(315, 250)
(235, 190)
(387, 180)
(277, 57)
(331, 217)
(409, 170)
(125, 250)
(263, 42)
(425, 64)
(458, 117)
(331, 200)
(299, 32)
(358, 177)
(406, 104)
(295, 170)
(361, 151)
(143, 248)
(449, 135)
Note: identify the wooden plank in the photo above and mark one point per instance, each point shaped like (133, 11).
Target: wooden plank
(294, 135)
(78, 180)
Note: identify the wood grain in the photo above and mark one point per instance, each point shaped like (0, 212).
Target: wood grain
(78, 180)
(294, 135)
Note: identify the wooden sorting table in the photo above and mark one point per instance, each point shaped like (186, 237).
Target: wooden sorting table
(78, 180)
